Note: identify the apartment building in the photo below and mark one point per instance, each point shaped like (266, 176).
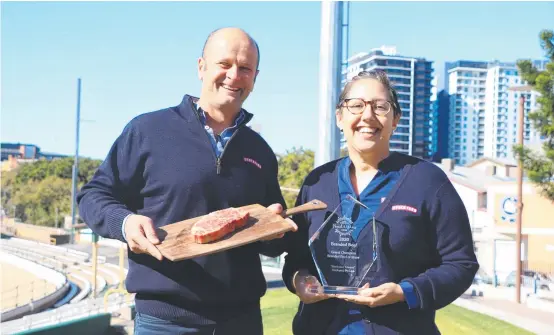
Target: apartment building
(411, 76)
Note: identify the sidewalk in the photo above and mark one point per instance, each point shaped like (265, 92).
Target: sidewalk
(539, 322)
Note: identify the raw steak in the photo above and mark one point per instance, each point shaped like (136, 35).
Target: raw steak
(216, 225)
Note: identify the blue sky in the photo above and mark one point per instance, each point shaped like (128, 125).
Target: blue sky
(135, 57)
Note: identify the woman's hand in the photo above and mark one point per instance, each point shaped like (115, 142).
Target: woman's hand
(303, 284)
(385, 294)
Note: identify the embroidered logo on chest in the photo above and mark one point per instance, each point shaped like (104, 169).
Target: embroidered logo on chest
(404, 208)
(253, 162)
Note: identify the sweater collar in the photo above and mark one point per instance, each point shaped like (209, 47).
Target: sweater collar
(187, 109)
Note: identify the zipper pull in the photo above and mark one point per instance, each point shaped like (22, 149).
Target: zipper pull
(218, 166)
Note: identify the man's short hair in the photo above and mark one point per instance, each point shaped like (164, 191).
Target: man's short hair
(247, 34)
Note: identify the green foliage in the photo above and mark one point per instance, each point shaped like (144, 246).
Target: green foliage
(40, 192)
(294, 166)
(36, 190)
(61, 168)
(540, 168)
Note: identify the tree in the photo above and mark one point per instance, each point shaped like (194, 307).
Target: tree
(7, 187)
(61, 168)
(39, 192)
(294, 167)
(539, 167)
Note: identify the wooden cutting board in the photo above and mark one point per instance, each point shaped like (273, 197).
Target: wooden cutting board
(177, 242)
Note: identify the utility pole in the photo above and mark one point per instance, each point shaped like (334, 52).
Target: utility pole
(94, 263)
(330, 65)
(519, 215)
(75, 175)
(521, 125)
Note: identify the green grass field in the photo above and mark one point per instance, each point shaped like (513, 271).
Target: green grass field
(279, 307)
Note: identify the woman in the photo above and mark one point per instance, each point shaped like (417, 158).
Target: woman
(425, 247)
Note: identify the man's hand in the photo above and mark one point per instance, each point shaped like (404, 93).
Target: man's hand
(141, 236)
(303, 282)
(385, 294)
(278, 209)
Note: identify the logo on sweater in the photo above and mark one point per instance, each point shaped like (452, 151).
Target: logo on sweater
(252, 161)
(404, 208)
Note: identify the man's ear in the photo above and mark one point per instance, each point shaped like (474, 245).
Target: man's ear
(256, 75)
(201, 68)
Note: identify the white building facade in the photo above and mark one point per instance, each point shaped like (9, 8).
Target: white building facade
(483, 111)
(501, 123)
(466, 85)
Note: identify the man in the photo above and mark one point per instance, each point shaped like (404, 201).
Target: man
(183, 162)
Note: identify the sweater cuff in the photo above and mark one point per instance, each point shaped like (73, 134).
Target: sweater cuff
(115, 220)
(423, 288)
(410, 295)
(123, 227)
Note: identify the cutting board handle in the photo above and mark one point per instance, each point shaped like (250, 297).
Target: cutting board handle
(312, 205)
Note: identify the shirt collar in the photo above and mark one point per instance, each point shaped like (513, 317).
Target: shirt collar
(238, 119)
(384, 165)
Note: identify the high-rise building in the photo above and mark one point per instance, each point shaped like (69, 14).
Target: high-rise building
(440, 117)
(483, 111)
(501, 123)
(466, 84)
(411, 77)
(434, 118)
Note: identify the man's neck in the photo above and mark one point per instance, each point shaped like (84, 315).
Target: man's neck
(218, 119)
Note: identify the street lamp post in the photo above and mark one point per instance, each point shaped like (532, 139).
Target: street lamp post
(75, 173)
(519, 198)
(519, 214)
(75, 180)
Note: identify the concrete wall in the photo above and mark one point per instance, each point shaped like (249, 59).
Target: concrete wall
(52, 276)
(32, 232)
(541, 253)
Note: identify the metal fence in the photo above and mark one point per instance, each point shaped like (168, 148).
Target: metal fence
(541, 267)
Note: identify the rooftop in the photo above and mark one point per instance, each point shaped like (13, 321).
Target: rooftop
(497, 161)
(475, 178)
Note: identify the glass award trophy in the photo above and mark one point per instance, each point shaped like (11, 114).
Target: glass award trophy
(345, 249)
